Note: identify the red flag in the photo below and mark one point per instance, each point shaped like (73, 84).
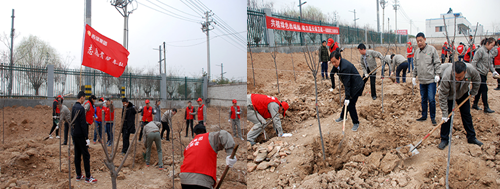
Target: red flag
(102, 53)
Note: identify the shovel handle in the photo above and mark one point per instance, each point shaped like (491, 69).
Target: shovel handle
(227, 167)
(345, 116)
(371, 72)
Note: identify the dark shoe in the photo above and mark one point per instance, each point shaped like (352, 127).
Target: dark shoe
(186, 136)
(374, 97)
(355, 127)
(443, 144)
(167, 140)
(474, 106)
(64, 143)
(80, 178)
(488, 110)
(496, 89)
(434, 122)
(421, 119)
(475, 141)
(251, 142)
(339, 120)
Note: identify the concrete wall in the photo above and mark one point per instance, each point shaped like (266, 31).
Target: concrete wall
(222, 95)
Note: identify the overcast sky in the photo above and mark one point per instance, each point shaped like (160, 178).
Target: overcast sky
(61, 23)
(482, 11)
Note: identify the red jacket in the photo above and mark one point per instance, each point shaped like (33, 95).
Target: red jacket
(89, 115)
(460, 49)
(147, 114)
(99, 113)
(443, 51)
(188, 113)
(200, 157)
(108, 115)
(260, 103)
(409, 50)
(233, 113)
(200, 112)
(467, 57)
(496, 59)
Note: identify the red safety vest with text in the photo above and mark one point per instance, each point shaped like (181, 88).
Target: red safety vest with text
(98, 113)
(200, 147)
(188, 113)
(467, 55)
(200, 112)
(460, 49)
(233, 113)
(496, 60)
(443, 51)
(89, 114)
(108, 115)
(147, 114)
(57, 108)
(260, 103)
(409, 50)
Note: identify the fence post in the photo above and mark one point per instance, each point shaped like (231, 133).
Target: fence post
(185, 88)
(93, 85)
(270, 32)
(130, 86)
(50, 81)
(163, 86)
(205, 89)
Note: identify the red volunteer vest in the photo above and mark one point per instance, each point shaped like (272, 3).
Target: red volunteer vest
(57, 108)
(147, 114)
(89, 114)
(467, 55)
(409, 50)
(443, 50)
(496, 60)
(233, 113)
(200, 147)
(188, 112)
(260, 103)
(108, 115)
(335, 46)
(99, 113)
(200, 112)
(460, 49)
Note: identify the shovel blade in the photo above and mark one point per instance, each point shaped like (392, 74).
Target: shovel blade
(413, 150)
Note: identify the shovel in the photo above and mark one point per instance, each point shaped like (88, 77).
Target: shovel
(227, 167)
(413, 149)
(343, 127)
(371, 72)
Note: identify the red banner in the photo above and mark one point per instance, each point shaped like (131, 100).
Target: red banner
(281, 24)
(103, 53)
(402, 32)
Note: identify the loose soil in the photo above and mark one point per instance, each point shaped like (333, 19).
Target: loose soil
(27, 160)
(367, 158)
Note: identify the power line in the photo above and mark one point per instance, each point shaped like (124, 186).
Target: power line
(203, 38)
(177, 9)
(239, 47)
(192, 8)
(189, 20)
(171, 13)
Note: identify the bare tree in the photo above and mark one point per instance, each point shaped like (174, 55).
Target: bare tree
(171, 85)
(148, 84)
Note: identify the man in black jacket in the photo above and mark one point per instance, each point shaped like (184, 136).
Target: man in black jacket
(128, 123)
(353, 84)
(81, 140)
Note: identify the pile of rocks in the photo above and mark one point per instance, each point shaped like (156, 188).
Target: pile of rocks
(269, 157)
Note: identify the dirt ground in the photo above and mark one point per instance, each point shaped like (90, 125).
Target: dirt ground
(27, 161)
(367, 158)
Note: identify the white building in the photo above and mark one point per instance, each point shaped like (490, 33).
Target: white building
(480, 30)
(435, 27)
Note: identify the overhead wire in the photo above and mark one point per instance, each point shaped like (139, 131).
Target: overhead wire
(181, 18)
(177, 9)
(191, 8)
(201, 38)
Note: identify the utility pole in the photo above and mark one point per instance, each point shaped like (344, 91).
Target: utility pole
(221, 71)
(159, 60)
(164, 58)
(300, 19)
(382, 4)
(11, 50)
(354, 17)
(396, 5)
(205, 27)
(378, 19)
(410, 24)
(88, 20)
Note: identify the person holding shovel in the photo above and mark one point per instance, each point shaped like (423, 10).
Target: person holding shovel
(464, 76)
(427, 69)
(399, 62)
(259, 108)
(66, 117)
(152, 134)
(199, 172)
(55, 116)
(353, 83)
(369, 64)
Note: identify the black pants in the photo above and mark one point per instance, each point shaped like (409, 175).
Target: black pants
(483, 92)
(189, 122)
(142, 127)
(403, 66)
(498, 80)
(372, 82)
(324, 70)
(54, 127)
(332, 78)
(165, 127)
(466, 120)
(81, 149)
(351, 108)
(185, 186)
(126, 142)
(66, 128)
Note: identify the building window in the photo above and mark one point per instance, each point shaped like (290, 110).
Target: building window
(439, 28)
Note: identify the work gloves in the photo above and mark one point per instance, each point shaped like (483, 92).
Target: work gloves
(414, 81)
(445, 119)
(229, 120)
(436, 79)
(88, 142)
(238, 113)
(230, 162)
(346, 102)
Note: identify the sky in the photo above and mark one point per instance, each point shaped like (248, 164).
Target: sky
(61, 24)
(482, 11)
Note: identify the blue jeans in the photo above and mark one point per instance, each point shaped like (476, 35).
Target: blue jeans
(97, 129)
(324, 70)
(410, 64)
(427, 95)
(109, 131)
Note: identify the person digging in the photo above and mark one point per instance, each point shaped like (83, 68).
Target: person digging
(152, 134)
(261, 107)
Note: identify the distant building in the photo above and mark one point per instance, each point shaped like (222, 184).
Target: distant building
(435, 27)
(480, 30)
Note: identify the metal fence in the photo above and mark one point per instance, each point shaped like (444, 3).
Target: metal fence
(257, 31)
(30, 81)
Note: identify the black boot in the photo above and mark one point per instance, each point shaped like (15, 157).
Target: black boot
(474, 106)
(488, 110)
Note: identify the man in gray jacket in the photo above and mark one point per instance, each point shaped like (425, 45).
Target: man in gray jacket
(166, 120)
(157, 110)
(427, 70)
(323, 59)
(465, 74)
(399, 62)
(369, 64)
(152, 134)
(66, 117)
(482, 61)
(386, 61)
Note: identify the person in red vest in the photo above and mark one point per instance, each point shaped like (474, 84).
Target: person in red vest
(409, 55)
(199, 172)
(333, 46)
(496, 61)
(109, 117)
(147, 116)
(55, 116)
(468, 55)
(90, 113)
(450, 56)
(201, 113)
(189, 116)
(461, 51)
(444, 52)
(234, 119)
(98, 120)
(260, 107)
